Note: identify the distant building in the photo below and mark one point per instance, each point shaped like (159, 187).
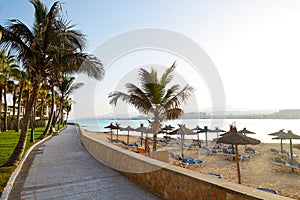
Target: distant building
(10, 110)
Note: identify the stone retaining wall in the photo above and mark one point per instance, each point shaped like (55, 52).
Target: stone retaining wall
(168, 181)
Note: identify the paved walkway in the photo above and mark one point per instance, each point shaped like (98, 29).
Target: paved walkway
(61, 168)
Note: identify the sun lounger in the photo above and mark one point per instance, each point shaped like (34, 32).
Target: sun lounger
(278, 161)
(210, 151)
(191, 147)
(132, 145)
(242, 156)
(268, 190)
(191, 161)
(251, 150)
(274, 151)
(293, 164)
(172, 143)
(215, 175)
(186, 162)
(284, 153)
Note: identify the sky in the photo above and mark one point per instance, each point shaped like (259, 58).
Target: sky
(253, 46)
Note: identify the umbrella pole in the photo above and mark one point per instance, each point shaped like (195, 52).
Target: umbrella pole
(128, 137)
(206, 138)
(117, 136)
(237, 163)
(291, 149)
(281, 145)
(110, 134)
(182, 145)
(141, 139)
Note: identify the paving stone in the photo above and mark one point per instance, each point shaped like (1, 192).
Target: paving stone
(61, 168)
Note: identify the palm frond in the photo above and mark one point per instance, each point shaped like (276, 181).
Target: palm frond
(40, 12)
(81, 63)
(140, 104)
(115, 96)
(173, 113)
(168, 76)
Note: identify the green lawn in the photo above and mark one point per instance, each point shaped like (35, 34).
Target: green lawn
(8, 141)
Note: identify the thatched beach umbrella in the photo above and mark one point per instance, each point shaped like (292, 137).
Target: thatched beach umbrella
(289, 136)
(245, 131)
(182, 131)
(217, 130)
(233, 137)
(128, 128)
(141, 129)
(205, 130)
(197, 128)
(111, 127)
(279, 133)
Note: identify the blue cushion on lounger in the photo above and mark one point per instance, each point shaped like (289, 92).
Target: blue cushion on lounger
(268, 190)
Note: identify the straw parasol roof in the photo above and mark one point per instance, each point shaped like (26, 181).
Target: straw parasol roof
(111, 127)
(205, 130)
(233, 137)
(141, 129)
(289, 136)
(182, 130)
(128, 128)
(245, 131)
(279, 133)
(217, 130)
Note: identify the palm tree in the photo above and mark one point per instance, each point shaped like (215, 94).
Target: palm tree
(68, 107)
(51, 45)
(154, 98)
(6, 66)
(22, 79)
(66, 88)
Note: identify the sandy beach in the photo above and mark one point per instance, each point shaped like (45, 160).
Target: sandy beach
(256, 172)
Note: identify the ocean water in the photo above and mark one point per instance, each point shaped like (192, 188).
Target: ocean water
(262, 127)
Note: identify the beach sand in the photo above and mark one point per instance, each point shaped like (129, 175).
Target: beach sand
(256, 172)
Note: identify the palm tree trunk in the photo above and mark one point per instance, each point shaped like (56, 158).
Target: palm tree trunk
(16, 156)
(42, 109)
(19, 106)
(155, 127)
(14, 101)
(51, 114)
(34, 114)
(5, 105)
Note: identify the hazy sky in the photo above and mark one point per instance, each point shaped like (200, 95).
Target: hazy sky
(254, 45)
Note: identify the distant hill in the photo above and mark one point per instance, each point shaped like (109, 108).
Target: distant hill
(282, 114)
(286, 114)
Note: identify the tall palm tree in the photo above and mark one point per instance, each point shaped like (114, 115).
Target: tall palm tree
(7, 63)
(50, 45)
(154, 98)
(66, 88)
(68, 107)
(22, 78)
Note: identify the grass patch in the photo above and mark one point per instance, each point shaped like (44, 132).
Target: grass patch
(8, 142)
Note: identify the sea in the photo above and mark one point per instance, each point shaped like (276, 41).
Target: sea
(261, 127)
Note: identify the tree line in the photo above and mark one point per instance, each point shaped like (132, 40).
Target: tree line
(37, 67)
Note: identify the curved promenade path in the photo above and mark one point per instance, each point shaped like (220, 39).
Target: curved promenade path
(61, 168)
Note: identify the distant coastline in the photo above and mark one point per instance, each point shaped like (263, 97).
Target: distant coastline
(281, 114)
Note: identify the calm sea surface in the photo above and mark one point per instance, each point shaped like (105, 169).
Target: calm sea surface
(262, 127)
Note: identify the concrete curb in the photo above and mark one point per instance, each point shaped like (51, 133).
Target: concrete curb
(16, 172)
